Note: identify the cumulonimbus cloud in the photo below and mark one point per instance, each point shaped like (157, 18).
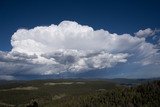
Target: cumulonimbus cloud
(71, 47)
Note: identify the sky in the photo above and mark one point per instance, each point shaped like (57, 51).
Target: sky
(79, 38)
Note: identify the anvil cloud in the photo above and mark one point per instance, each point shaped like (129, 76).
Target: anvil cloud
(75, 48)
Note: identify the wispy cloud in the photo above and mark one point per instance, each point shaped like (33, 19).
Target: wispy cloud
(146, 33)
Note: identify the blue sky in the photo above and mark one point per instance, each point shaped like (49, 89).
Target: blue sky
(137, 18)
(122, 16)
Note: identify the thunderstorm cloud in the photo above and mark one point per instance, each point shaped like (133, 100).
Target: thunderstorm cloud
(71, 47)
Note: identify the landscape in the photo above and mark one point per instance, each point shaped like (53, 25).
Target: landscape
(81, 93)
(79, 53)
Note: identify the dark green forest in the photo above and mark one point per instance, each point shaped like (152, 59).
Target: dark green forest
(146, 95)
(80, 93)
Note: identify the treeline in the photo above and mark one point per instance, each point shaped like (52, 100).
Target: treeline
(146, 95)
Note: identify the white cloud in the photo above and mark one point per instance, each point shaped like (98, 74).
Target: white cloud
(146, 33)
(71, 47)
(69, 35)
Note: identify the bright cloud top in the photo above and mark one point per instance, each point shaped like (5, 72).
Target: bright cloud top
(71, 36)
(71, 47)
